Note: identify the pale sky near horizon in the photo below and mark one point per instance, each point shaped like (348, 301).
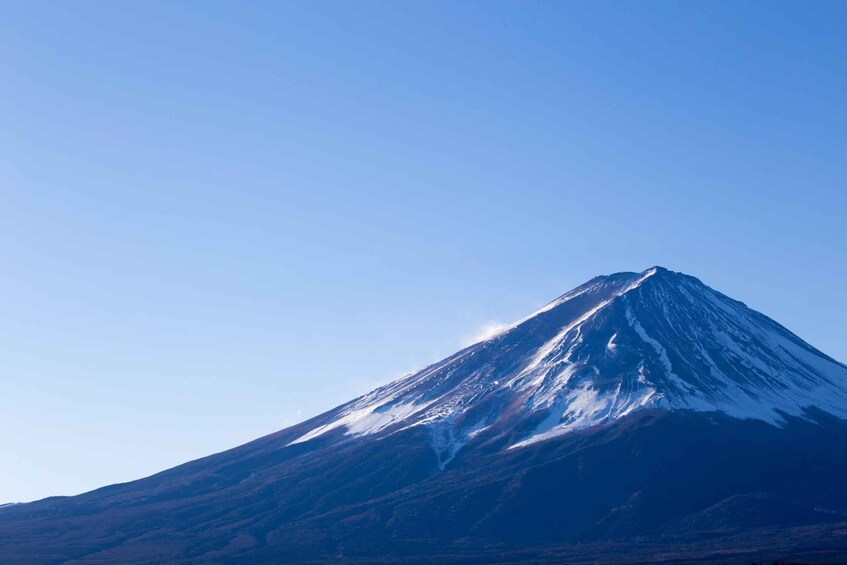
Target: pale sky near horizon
(221, 218)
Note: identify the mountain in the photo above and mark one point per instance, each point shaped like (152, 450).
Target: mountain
(641, 417)
(610, 347)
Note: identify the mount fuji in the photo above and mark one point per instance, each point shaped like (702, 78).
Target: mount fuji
(641, 417)
(613, 346)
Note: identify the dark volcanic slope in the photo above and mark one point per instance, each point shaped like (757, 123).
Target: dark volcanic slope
(641, 417)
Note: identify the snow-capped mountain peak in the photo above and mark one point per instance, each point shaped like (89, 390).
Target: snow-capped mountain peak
(614, 345)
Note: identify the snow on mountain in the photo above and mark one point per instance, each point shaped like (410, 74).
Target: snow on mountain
(615, 345)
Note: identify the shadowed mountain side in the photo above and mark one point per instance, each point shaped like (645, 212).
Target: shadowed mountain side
(685, 476)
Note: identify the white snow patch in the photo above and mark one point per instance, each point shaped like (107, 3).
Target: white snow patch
(447, 444)
(367, 420)
(586, 407)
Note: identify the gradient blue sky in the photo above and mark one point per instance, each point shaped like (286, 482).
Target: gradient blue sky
(219, 219)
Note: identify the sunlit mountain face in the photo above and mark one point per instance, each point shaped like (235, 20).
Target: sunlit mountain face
(639, 417)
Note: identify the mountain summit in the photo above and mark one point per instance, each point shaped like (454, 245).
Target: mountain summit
(640, 417)
(614, 345)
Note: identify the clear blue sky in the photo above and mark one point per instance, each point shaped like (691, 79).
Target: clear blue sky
(218, 219)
